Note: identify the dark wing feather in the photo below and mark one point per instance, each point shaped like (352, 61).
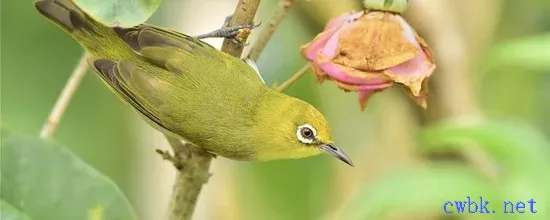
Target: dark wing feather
(130, 82)
(171, 50)
(143, 36)
(146, 86)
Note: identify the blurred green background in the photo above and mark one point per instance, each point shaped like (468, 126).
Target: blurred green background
(493, 62)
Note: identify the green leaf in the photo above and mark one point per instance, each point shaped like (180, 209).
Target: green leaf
(419, 190)
(529, 52)
(47, 181)
(122, 13)
(8, 212)
(518, 148)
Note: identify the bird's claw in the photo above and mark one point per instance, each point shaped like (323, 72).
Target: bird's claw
(227, 21)
(237, 34)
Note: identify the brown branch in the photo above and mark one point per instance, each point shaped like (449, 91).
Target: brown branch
(293, 78)
(194, 162)
(244, 14)
(283, 8)
(64, 98)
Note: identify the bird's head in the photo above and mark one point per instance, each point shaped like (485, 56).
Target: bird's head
(298, 130)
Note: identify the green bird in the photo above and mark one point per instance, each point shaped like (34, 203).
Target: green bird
(188, 89)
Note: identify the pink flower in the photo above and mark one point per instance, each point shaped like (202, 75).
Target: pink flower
(369, 51)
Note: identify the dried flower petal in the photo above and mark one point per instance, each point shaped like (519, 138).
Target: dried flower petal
(375, 43)
(350, 75)
(369, 51)
(310, 50)
(413, 72)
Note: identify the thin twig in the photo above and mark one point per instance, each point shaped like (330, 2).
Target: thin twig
(63, 100)
(283, 8)
(294, 78)
(194, 161)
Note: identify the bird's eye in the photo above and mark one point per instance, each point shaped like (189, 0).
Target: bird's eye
(306, 134)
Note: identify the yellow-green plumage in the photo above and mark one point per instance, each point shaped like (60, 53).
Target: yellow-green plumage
(188, 89)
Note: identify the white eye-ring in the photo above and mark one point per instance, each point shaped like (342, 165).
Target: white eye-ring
(306, 133)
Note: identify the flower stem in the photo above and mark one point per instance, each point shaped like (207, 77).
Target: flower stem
(194, 161)
(64, 98)
(294, 78)
(274, 21)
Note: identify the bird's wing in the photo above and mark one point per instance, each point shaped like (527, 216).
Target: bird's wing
(137, 86)
(177, 52)
(163, 61)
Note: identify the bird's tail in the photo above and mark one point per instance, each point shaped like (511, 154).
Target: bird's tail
(65, 14)
(87, 31)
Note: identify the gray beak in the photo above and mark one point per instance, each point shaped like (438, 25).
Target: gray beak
(336, 152)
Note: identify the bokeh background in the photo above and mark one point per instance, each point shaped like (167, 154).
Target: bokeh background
(493, 63)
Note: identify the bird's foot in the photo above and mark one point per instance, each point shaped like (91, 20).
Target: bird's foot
(169, 157)
(237, 34)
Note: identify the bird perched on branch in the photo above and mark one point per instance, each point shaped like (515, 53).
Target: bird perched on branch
(189, 90)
